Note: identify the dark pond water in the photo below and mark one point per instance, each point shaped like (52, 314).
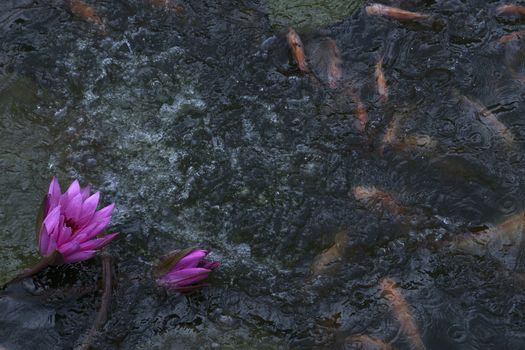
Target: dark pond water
(195, 120)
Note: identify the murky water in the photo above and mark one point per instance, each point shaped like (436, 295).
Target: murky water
(309, 14)
(195, 120)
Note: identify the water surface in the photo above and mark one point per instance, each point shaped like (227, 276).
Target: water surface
(194, 119)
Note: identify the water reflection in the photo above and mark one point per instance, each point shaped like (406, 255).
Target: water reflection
(199, 125)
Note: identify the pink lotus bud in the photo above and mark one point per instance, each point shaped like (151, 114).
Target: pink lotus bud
(183, 270)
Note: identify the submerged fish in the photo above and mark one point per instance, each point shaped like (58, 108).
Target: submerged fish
(391, 135)
(399, 141)
(417, 142)
(297, 48)
(325, 61)
(82, 10)
(402, 313)
(366, 342)
(371, 197)
(329, 258)
(360, 111)
(512, 36)
(382, 89)
(335, 72)
(361, 114)
(510, 10)
(490, 120)
(503, 240)
(394, 12)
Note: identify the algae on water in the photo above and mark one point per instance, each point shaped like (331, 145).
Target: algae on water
(309, 14)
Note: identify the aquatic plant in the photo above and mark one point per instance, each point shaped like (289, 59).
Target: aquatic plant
(68, 227)
(71, 224)
(183, 271)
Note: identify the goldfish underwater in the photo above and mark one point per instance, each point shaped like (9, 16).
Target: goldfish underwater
(328, 259)
(490, 120)
(510, 10)
(402, 313)
(382, 89)
(394, 12)
(365, 342)
(297, 48)
(373, 197)
(82, 10)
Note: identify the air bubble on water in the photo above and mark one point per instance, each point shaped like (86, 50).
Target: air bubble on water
(181, 104)
(89, 96)
(243, 250)
(61, 113)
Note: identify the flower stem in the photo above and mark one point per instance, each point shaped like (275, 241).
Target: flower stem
(39, 266)
(102, 314)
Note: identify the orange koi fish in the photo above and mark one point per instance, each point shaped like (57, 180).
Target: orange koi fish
(360, 110)
(328, 258)
(405, 142)
(512, 36)
(402, 313)
(297, 48)
(510, 10)
(418, 141)
(500, 238)
(366, 342)
(335, 73)
(394, 12)
(491, 121)
(86, 12)
(390, 137)
(382, 89)
(370, 196)
(325, 61)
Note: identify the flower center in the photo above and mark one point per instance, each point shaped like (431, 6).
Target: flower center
(72, 224)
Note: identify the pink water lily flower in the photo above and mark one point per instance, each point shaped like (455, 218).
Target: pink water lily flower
(71, 223)
(183, 271)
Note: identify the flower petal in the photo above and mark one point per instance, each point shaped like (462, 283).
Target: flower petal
(210, 265)
(68, 248)
(74, 206)
(85, 231)
(185, 277)
(94, 244)
(54, 193)
(52, 219)
(104, 213)
(86, 191)
(64, 236)
(73, 189)
(92, 230)
(71, 192)
(80, 256)
(88, 209)
(191, 260)
(45, 244)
